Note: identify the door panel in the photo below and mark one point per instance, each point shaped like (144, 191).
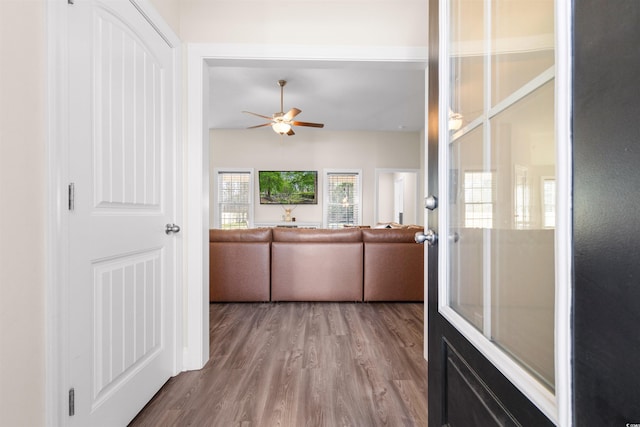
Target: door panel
(470, 401)
(122, 281)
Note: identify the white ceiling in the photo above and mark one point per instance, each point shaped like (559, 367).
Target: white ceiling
(345, 96)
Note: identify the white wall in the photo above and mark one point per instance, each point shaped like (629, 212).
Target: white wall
(309, 22)
(262, 149)
(170, 12)
(22, 212)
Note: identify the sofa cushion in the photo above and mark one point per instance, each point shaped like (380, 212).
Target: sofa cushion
(242, 235)
(393, 271)
(239, 271)
(316, 271)
(311, 235)
(389, 235)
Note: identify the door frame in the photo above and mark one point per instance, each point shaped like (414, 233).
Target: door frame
(418, 192)
(199, 57)
(57, 226)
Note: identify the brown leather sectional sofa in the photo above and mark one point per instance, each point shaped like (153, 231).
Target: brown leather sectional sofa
(284, 264)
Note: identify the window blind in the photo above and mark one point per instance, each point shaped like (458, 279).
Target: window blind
(343, 199)
(234, 199)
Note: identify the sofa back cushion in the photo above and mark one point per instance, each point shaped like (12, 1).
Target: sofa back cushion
(243, 235)
(310, 235)
(389, 235)
(316, 271)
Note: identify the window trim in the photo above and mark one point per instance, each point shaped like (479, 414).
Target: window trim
(216, 206)
(325, 193)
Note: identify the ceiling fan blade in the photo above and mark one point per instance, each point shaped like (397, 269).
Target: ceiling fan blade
(259, 115)
(291, 132)
(313, 125)
(259, 126)
(291, 114)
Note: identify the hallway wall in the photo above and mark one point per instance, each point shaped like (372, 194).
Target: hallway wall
(22, 212)
(312, 22)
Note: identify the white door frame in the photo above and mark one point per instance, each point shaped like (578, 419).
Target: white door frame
(57, 174)
(199, 57)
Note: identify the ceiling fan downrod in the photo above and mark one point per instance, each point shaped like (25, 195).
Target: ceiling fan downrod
(282, 83)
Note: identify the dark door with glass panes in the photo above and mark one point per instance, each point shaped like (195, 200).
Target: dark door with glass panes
(493, 166)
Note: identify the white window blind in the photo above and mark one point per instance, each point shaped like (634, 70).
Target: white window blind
(234, 199)
(342, 199)
(549, 205)
(478, 199)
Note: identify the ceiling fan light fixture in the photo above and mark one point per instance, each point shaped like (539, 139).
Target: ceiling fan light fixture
(282, 123)
(455, 120)
(281, 127)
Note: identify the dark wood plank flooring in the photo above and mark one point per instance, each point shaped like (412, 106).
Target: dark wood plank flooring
(303, 364)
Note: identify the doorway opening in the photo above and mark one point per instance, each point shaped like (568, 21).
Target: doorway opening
(200, 59)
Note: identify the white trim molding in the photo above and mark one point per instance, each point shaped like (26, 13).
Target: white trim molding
(56, 292)
(564, 214)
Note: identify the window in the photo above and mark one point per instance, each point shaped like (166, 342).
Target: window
(342, 199)
(522, 198)
(478, 199)
(549, 202)
(233, 199)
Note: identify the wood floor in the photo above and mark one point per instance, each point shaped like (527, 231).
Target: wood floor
(303, 364)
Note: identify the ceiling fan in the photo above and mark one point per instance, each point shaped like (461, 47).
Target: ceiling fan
(280, 122)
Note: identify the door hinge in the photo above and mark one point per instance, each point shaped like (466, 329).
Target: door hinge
(72, 402)
(72, 196)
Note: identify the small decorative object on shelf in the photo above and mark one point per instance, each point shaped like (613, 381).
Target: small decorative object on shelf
(287, 213)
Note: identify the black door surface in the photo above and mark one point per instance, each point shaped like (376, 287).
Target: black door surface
(606, 199)
(466, 387)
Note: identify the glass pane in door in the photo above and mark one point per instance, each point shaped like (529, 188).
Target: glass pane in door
(471, 212)
(500, 157)
(522, 44)
(467, 62)
(522, 251)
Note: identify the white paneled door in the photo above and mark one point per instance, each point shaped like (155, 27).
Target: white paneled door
(121, 163)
